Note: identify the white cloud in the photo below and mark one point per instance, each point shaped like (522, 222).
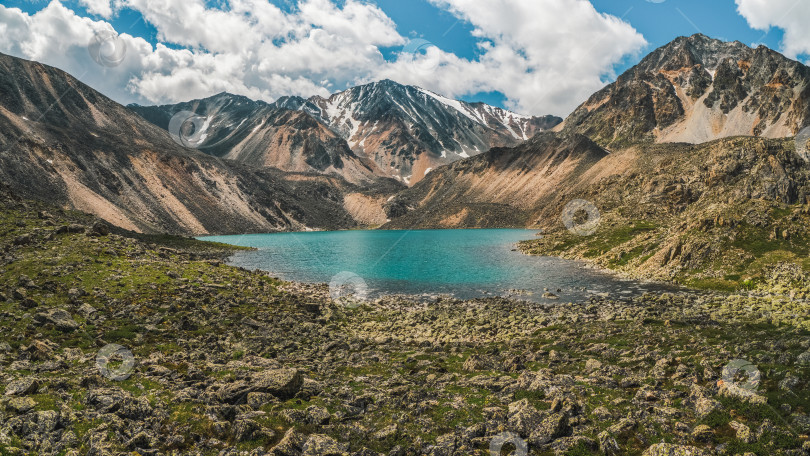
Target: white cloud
(99, 7)
(544, 55)
(547, 56)
(790, 15)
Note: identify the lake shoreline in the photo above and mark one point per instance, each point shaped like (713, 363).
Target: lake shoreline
(465, 264)
(228, 361)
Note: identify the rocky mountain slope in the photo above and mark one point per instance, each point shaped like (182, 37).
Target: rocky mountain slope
(502, 187)
(108, 349)
(63, 142)
(399, 131)
(713, 214)
(698, 89)
(261, 135)
(409, 131)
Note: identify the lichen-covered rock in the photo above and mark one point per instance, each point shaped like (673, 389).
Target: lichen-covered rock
(551, 428)
(323, 445)
(667, 449)
(281, 383)
(23, 386)
(524, 419)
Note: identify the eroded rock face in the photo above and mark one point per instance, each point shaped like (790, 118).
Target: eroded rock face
(89, 153)
(698, 89)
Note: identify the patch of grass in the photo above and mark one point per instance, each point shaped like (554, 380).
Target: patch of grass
(712, 284)
(716, 419)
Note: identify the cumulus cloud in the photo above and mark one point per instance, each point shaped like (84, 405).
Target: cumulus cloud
(546, 56)
(790, 15)
(542, 54)
(98, 7)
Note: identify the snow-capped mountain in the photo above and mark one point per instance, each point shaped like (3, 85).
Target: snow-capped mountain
(264, 135)
(408, 131)
(383, 129)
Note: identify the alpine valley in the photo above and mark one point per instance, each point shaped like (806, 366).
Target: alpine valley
(686, 144)
(122, 336)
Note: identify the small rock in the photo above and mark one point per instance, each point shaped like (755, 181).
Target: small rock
(744, 433)
(387, 432)
(282, 383)
(703, 433)
(323, 445)
(21, 405)
(592, 365)
(23, 239)
(243, 430)
(98, 229)
(290, 445)
(804, 358)
(318, 416)
(22, 387)
(61, 319)
(705, 406)
(608, 444)
(552, 428)
(668, 449)
(524, 418)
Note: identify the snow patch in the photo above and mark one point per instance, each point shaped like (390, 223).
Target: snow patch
(204, 129)
(455, 104)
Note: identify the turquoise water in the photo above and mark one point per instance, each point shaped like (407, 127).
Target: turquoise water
(463, 263)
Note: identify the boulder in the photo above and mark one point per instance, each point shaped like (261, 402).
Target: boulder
(22, 387)
(323, 445)
(524, 418)
(550, 429)
(61, 319)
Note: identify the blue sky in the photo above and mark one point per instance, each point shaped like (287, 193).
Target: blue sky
(452, 32)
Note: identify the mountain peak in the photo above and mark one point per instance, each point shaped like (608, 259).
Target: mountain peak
(697, 89)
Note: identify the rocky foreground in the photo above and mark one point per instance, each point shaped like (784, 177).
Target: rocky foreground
(147, 345)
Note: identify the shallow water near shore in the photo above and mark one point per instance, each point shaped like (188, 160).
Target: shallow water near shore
(425, 263)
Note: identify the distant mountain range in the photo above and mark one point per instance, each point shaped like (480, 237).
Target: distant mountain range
(394, 155)
(384, 128)
(693, 90)
(65, 143)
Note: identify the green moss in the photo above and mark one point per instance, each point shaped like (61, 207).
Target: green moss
(716, 419)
